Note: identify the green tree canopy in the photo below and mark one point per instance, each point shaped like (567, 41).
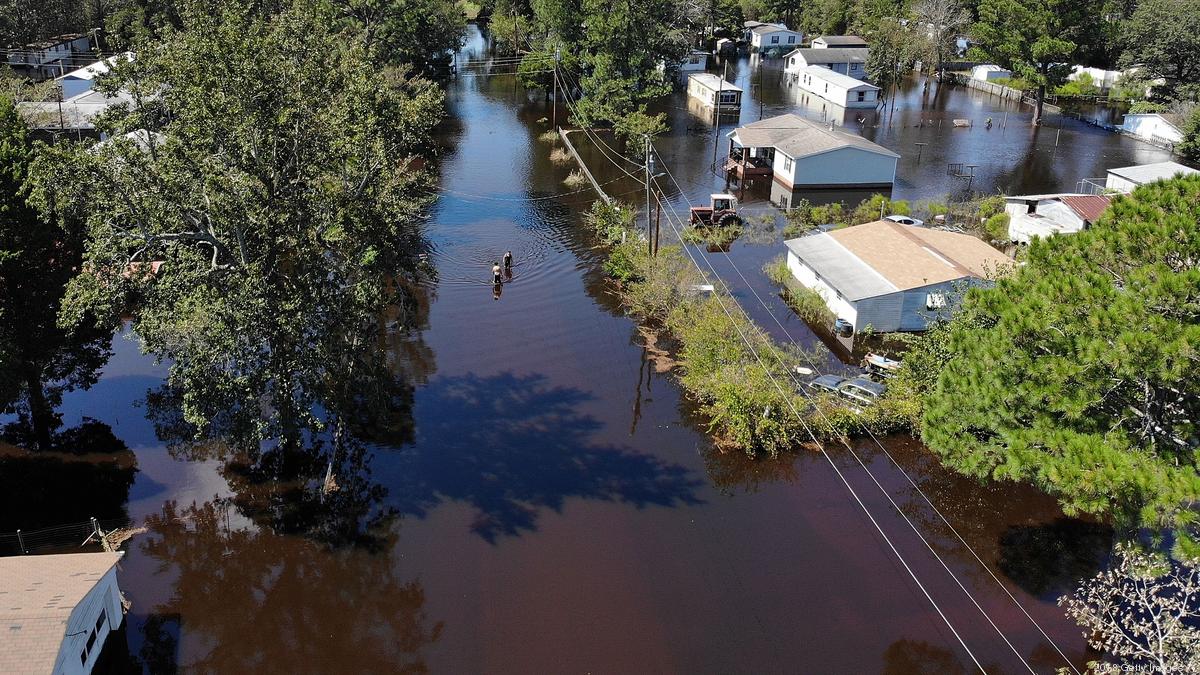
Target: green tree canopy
(1162, 39)
(1079, 371)
(260, 216)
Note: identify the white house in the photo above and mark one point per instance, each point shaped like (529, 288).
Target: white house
(1153, 127)
(1126, 178)
(83, 79)
(989, 71)
(1032, 216)
(77, 113)
(51, 57)
(774, 36)
(889, 276)
(800, 153)
(714, 91)
(1103, 79)
(57, 611)
(839, 41)
(850, 61)
(837, 88)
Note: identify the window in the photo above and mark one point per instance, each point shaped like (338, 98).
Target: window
(854, 66)
(728, 97)
(826, 87)
(862, 95)
(791, 39)
(774, 39)
(100, 620)
(935, 301)
(787, 163)
(694, 59)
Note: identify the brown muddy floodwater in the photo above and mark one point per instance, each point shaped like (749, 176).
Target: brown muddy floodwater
(559, 507)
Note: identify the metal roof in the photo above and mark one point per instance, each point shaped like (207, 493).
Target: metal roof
(837, 79)
(841, 40)
(714, 82)
(838, 267)
(1148, 173)
(798, 137)
(1088, 207)
(94, 70)
(817, 55)
(768, 28)
(37, 595)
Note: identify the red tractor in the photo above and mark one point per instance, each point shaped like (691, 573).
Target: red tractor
(721, 212)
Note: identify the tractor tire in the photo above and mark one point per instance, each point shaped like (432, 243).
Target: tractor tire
(729, 220)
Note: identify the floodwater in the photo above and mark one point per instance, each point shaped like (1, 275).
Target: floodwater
(555, 504)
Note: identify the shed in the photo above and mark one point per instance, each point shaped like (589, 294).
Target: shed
(714, 91)
(1157, 128)
(837, 88)
(989, 71)
(844, 60)
(801, 153)
(839, 41)
(889, 276)
(1031, 216)
(773, 36)
(57, 611)
(1126, 178)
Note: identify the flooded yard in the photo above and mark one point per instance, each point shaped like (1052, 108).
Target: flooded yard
(552, 503)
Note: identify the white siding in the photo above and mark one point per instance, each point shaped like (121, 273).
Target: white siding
(844, 167)
(841, 307)
(787, 39)
(1152, 128)
(106, 596)
(1115, 182)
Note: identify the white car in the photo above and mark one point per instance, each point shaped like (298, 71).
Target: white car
(906, 220)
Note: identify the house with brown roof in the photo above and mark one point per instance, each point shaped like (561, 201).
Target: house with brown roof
(56, 611)
(1032, 216)
(889, 276)
(801, 153)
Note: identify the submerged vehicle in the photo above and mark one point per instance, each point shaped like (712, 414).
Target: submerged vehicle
(861, 390)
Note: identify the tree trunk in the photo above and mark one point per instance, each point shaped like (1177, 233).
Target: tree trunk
(41, 417)
(1037, 112)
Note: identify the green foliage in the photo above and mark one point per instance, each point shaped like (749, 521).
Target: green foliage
(894, 50)
(416, 33)
(1162, 38)
(283, 219)
(612, 223)
(997, 227)
(1078, 371)
(1083, 85)
(637, 125)
(1189, 147)
(624, 261)
(876, 207)
(1144, 107)
(509, 31)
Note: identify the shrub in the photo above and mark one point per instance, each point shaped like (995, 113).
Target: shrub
(575, 179)
(549, 136)
(997, 227)
(876, 207)
(560, 156)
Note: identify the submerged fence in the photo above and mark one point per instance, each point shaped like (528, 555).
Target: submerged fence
(68, 538)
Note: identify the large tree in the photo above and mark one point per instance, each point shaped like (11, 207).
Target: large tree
(941, 22)
(1036, 38)
(271, 179)
(1078, 372)
(1162, 39)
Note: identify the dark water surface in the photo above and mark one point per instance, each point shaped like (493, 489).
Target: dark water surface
(561, 509)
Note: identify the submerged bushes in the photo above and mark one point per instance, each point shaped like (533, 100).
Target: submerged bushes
(742, 379)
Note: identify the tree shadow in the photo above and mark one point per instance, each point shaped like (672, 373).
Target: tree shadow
(250, 600)
(1051, 559)
(913, 657)
(511, 446)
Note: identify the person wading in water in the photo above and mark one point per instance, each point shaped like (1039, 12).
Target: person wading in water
(497, 277)
(508, 260)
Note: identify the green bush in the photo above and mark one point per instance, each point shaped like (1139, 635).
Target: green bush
(997, 227)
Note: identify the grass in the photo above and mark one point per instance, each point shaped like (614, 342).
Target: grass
(560, 156)
(804, 301)
(575, 179)
(548, 136)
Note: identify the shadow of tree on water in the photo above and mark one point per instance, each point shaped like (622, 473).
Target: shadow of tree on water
(1051, 559)
(511, 446)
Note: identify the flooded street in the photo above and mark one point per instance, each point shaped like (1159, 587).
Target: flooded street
(553, 503)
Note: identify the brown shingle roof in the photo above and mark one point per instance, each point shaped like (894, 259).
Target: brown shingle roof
(911, 257)
(37, 595)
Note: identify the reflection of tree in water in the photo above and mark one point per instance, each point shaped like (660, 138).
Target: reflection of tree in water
(256, 601)
(733, 471)
(912, 657)
(89, 476)
(984, 514)
(511, 445)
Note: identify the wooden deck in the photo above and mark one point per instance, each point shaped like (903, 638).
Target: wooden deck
(745, 169)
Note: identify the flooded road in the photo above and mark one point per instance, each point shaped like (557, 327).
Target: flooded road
(555, 505)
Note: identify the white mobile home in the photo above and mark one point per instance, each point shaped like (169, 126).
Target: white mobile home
(839, 42)
(837, 88)
(1126, 178)
(800, 153)
(774, 36)
(714, 91)
(83, 79)
(1156, 128)
(889, 276)
(1031, 216)
(58, 610)
(847, 61)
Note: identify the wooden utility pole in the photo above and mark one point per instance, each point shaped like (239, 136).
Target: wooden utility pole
(717, 116)
(649, 221)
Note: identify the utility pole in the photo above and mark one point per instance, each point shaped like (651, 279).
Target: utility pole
(649, 219)
(760, 89)
(717, 116)
(554, 119)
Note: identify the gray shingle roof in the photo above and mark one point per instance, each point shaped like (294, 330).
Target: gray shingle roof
(798, 137)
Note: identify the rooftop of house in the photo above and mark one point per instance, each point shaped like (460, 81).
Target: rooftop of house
(1087, 207)
(816, 55)
(714, 82)
(884, 257)
(1148, 173)
(837, 79)
(94, 70)
(842, 40)
(797, 137)
(37, 595)
(767, 28)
